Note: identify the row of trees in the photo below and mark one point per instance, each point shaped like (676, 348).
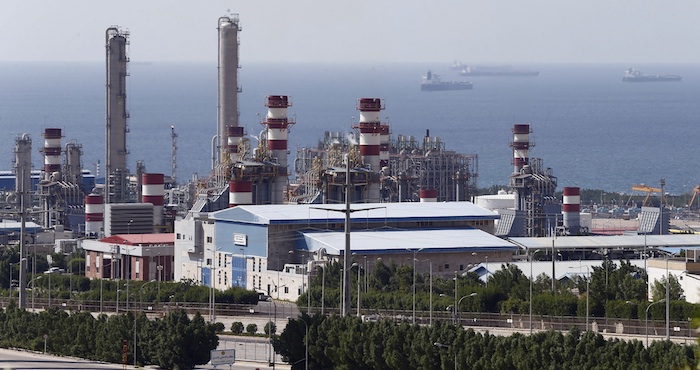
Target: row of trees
(173, 342)
(390, 287)
(347, 343)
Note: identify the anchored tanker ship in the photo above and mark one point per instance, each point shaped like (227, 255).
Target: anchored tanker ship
(432, 82)
(635, 75)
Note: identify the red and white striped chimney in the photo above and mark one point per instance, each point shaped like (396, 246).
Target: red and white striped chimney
(233, 133)
(152, 192)
(52, 150)
(94, 213)
(277, 123)
(521, 146)
(240, 193)
(428, 195)
(370, 131)
(572, 210)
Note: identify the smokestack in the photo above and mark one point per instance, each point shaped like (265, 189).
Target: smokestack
(23, 170)
(94, 214)
(521, 146)
(370, 141)
(572, 210)
(52, 151)
(240, 193)
(152, 192)
(116, 113)
(428, 195)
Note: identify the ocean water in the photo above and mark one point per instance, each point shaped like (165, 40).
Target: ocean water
(592, 129)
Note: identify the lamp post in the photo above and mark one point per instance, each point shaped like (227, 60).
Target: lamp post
(668, 298)
(487, 270)
(118, 290)
(32, 285)
(460, 302)
(323, 289)
(415, 251)
(100, 294)
(454, 313)
(359, 269)
(438, 344)
(354, 264)
(588, 292)
(532, 257)
(646, 317)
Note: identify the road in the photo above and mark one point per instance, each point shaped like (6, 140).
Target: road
(12, 359)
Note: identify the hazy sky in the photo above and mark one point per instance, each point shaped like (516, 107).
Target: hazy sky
(502, 31)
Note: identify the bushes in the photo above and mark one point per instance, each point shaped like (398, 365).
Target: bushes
(237, 327)
(251, 329)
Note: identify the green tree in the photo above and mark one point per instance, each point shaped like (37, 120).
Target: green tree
(675, 291)
(251, 329)
(237, 327)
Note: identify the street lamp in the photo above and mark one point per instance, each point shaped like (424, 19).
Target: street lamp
(459, 303)
(532, 257)
(646, 317)
(354, 264)
(415, 251)
(588, 291)
(306, 341)
(438, 344)
(32, 285)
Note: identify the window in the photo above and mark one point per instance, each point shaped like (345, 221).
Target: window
(177, 236)
(447, 266)
(208, 261)
(286, 290)
(461, 267)
(209, 239)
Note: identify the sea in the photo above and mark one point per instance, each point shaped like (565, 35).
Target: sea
(592, 129)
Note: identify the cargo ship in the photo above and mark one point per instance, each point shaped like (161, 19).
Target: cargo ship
(432, 82)
(635, 75)
(496, 71)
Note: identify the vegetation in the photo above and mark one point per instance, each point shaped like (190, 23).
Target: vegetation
(173, 342)
(609, 286)
(347, 343)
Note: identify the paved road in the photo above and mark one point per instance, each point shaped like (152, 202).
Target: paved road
(11, 359)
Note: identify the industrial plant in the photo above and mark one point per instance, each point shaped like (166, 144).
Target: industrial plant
(237, 226)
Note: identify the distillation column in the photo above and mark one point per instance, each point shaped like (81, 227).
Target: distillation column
(23, 171)
(228, 81)
(370, 141)
(278, 122)
(116, 115)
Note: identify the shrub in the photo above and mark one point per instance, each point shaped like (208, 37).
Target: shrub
(251, 329)
(237, 327)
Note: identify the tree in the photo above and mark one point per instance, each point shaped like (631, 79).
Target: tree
(251, 329)
(675, 291)
(237, 327)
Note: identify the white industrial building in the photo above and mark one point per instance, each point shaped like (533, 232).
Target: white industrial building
(266, 247)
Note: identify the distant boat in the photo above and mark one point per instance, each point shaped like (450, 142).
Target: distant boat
(635, 75)
(496, 71)
(432, 82)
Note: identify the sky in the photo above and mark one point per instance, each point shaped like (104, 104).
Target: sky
(360, 31)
